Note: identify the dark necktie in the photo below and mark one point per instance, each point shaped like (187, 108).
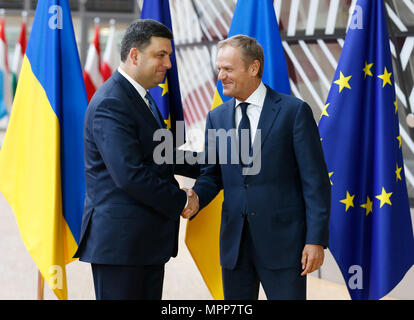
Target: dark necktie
(244, 124)
(154, 109)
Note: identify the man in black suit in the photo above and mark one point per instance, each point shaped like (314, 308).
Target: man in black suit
(274, 222)
(133, 205)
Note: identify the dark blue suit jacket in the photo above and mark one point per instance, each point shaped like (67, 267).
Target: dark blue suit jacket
(288, 202)
(132, 205)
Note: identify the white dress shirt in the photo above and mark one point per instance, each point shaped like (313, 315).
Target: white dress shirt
(254, 109)
(142, 92)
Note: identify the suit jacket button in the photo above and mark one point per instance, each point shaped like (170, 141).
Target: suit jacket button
(253, 213)
(246, 185)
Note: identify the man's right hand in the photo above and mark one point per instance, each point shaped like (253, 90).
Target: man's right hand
(192, 205)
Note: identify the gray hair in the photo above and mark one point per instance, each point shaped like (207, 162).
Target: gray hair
(251, 50)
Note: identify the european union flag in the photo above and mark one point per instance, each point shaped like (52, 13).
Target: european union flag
(166, 94)
(371, 235)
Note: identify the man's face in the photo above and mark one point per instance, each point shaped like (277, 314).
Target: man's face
(153, 62)
(233, 73)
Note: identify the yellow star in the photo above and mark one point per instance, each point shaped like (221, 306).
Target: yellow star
(164, 86)
(399, 140)
(384, 197)
(386, 77)
(324, 112)
(367, 69)
(342, 82)
(396, 106)
(168, 122)
(330, 175)
(367, 206)
(348, 201)
(398, 173)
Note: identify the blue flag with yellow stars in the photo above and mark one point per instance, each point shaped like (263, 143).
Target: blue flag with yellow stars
(371, 235)
(166, 94)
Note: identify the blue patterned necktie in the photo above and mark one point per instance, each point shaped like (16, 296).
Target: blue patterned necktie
(154, 109)
(244, 124)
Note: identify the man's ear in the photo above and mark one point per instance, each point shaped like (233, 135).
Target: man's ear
(254, 68)
(134, 55)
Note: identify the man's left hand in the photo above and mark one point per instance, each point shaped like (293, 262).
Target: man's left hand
(312, 258)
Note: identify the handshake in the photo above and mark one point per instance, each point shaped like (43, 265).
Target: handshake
(192, 205)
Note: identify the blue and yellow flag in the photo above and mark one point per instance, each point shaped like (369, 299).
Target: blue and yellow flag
(256, 19)
(371, 236)
(41, 160)
(166, 94)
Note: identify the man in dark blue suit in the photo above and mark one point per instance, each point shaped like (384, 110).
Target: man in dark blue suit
(133, 205)
(274, 222)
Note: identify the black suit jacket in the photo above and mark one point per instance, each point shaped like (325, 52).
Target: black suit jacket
(132, 205)
(287, 202)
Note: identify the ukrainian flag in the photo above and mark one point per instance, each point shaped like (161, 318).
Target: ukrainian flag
(41, 160)
(256, 19)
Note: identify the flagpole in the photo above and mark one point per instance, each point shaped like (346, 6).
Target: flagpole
(40, 285)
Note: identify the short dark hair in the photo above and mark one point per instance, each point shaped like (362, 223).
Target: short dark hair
(251, 50)
(138, 35)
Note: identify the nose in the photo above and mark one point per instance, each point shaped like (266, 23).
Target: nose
(221, 75)
(167, 63)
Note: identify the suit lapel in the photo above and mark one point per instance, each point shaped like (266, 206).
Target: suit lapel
(136, 99)
(269, 114)
(229, 114)
(271, 108)
(229, 125)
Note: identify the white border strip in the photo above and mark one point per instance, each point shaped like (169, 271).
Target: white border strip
(293, 17)
(313, 13)
(410, 5)
(332, 13)
(328, 53)
(294, 89)
(394, 17)
(412, 98)
(277, 4)
(315, 64)
(219, 16)
(406, 51)
(302, 73)
(208, 18)
(409, 175)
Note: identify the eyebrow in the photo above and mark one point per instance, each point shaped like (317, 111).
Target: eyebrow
(164, 51)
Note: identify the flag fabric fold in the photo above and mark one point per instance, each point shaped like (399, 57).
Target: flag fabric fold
(371, 236)
(111, 58)
(92, 72)
(167, 94)
(256, 19)
(41, 159)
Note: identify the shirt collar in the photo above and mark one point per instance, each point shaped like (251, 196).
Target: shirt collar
(142, 92)
(257, 98)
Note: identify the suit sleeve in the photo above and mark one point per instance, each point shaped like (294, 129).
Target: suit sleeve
(315, 181)
(183, 168)
(209, 183)
(116, 139)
